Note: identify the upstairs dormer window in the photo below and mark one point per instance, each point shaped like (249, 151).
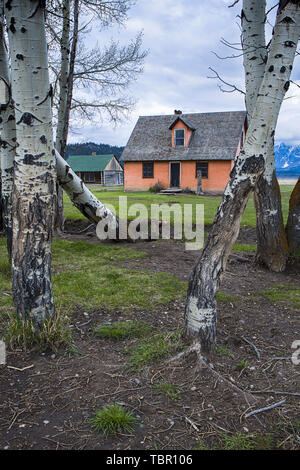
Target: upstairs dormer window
(179, 137)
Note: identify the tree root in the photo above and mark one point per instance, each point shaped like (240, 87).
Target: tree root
(203, 363)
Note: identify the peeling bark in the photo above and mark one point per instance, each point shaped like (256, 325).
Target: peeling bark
(200, 319)
(272, 245)
(34, 169)
(293, 222)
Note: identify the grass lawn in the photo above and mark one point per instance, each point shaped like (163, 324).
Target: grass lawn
(89, 276)
(147, 198)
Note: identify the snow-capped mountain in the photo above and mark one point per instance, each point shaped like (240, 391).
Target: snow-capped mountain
(287, 160)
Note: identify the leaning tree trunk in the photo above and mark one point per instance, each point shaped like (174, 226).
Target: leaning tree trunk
(8, 139)
(271, 239)
(82, 198)
(35, 176)
(200, 317)
(293, 222)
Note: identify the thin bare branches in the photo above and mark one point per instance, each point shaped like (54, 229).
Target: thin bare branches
(232, 87)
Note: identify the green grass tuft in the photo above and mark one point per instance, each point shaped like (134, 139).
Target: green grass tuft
(122, 330)
(226, 298)
(224, 351)
(241, 441)
(283, 293)
(49, 337)
(150, 350)
(170, 390)
(112, 419)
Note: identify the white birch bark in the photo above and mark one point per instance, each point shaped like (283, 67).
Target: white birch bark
(63, 74)
(35, 176)
(272, 247)
(62, 104)
(255, 55)
(200, 318)
(82, 198)
(8, 136)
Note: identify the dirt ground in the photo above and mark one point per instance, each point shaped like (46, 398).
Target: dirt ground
(46, 400)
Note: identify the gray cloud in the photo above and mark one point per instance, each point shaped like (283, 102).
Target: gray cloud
(181, 37)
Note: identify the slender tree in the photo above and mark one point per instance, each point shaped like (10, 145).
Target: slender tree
(272, 247)
(34, 169)
(8, 136)
(200, 319)
(81, 70)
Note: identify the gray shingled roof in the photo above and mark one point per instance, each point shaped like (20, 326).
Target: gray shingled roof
(216, 137)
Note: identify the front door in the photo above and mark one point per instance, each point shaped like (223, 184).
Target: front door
(175, 175)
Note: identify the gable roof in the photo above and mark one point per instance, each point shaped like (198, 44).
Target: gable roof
(179, 118)
(216, 137)
(90, 162)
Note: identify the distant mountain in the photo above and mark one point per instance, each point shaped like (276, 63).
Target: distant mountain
(287, 157)
(89, 147)
(287, 160)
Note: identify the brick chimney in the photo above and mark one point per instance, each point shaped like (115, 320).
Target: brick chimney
(177, 111)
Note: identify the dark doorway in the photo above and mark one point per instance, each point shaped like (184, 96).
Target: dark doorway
(175, 175)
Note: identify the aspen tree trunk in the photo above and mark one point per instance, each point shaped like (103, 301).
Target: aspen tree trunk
(8, 137)
(62, 105)
(63, 77)
(66, 120)
(272, 247)
(82, 198)
(293, 223)
(68, 55)
(35, 176)
(200, 319)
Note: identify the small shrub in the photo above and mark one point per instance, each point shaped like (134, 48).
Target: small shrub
(157, 187)
(122, 330)
(188, 190)
(112, 419)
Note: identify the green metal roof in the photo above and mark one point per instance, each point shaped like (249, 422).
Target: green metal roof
(89, 162)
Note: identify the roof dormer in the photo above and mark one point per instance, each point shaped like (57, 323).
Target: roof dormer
(181, 131)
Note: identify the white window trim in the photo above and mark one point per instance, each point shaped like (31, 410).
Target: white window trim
(183, 137)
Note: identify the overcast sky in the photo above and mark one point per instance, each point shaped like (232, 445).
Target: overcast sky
(181, 37)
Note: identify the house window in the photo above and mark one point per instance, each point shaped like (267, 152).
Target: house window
(148, 170)
(179, 137)
(203, 167)
(89, 177)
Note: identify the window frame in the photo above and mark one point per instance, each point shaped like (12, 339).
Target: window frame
(201, 162)
(175, 138)
(144, 173)
(88, 175)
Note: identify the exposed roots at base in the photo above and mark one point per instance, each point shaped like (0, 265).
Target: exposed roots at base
(202, 363)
